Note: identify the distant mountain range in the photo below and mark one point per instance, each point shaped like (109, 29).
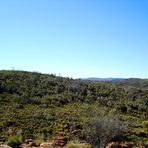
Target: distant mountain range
(103, 79)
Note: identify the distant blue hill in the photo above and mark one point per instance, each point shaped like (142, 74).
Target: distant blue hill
(103, 79)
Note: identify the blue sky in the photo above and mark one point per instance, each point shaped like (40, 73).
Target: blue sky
(75, 38)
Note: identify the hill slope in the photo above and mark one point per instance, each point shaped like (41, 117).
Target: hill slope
(39, 106)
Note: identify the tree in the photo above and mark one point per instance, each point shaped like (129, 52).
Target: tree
(102, 130)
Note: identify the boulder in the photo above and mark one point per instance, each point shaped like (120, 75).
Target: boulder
(60, 140)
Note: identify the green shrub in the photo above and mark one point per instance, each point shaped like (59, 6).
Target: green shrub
(14, 141)
(145, 124)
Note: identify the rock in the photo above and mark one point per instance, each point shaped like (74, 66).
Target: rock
(4, 146)
(118, 145)
(46, 145)
(27, 141)
(31, 144)
(60, 140)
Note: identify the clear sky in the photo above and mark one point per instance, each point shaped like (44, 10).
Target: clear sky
(75, 38)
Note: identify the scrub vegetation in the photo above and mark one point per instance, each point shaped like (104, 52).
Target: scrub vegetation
(40, 106)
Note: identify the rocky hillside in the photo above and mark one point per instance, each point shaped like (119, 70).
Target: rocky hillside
(40, 106)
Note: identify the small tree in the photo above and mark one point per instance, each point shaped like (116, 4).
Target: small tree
(100, 131)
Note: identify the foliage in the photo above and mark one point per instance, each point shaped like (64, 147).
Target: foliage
(42, 105)
(102, 130)
(14, 141)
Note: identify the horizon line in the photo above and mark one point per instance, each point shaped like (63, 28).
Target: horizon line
(60, 75)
